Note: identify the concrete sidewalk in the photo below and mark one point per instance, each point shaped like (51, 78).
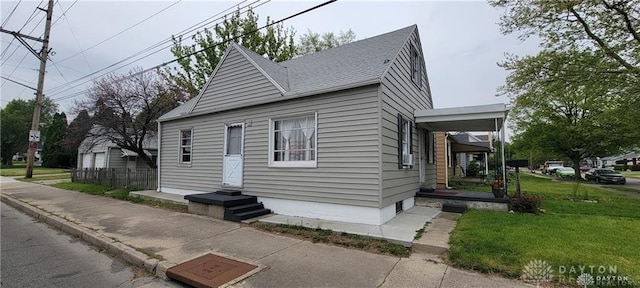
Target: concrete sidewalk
(136, 232)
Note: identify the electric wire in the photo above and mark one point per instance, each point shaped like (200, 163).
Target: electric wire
(206, 48)
(75, 38)
(136, 54)
(11, 14)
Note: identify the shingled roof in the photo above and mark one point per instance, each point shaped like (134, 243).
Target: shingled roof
(351, 65)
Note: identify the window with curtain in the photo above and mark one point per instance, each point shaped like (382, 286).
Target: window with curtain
(293, 142)
(185, 146)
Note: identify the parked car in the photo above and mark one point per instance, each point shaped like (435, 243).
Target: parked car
(563, 172)
(551, 166)
(600, 175)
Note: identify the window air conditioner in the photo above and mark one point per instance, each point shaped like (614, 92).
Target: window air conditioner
(407, 159)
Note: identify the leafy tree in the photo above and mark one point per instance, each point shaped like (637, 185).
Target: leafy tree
(76, 132)
(192, 72)
(312, 42)
(610, 27)
(565, 105)
(607, 28)
(15, 122)
(54, 154)
(125, 109)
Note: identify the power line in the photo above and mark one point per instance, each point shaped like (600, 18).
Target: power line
(31, 16)
(16, 82)
(168, 40)
(209, 47)
(125, 30)
(14, 51)
(64, 13)
(11, 13)
(75, 38)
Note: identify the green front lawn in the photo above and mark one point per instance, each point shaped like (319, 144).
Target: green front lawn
(571, 232)
(19, 170)
(42, 177)
(631, 174)
(93, 189)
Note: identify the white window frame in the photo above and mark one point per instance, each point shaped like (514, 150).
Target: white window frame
(180, 146)
(406, 138)
(292, 164)
(416, 67)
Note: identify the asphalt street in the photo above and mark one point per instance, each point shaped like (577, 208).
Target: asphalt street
(35, 255)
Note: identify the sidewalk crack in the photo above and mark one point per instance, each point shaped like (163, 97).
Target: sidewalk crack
(278, 251)
(443, 274)
(387, 276)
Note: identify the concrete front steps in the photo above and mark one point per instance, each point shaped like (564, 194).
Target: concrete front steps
(228, 205)
(435, 239)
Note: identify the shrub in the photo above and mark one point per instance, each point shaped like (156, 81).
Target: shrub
(473, 169)
(619, 167)
(634, 167)
(525, 203)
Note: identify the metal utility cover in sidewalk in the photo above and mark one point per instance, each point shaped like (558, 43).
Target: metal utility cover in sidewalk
(209, 271)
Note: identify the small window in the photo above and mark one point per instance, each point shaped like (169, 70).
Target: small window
(405, 147)
(416, 67)
(293, 142)
(186, 139)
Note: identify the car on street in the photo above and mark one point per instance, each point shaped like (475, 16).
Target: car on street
(551, 166)
(564, 172)
(600, 175)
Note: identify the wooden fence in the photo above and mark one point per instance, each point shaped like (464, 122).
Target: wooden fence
(134, 179)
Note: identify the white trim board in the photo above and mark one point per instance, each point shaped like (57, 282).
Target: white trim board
(333, 212)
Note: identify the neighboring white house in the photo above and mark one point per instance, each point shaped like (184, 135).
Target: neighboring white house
(99, 152)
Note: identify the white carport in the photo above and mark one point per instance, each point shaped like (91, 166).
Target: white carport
(482, 118)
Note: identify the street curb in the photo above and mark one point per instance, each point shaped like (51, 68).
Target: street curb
(120, 250)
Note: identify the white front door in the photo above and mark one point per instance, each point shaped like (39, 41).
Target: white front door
(232, 164)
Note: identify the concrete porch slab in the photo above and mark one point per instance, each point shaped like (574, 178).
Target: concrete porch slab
(401, 229)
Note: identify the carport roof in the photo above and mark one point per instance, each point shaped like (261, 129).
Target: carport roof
(469, 118)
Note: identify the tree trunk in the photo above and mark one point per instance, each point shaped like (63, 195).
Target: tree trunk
(148, 160)
(576, 168)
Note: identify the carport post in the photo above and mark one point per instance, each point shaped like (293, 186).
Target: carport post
(504, 166)
(486, 165)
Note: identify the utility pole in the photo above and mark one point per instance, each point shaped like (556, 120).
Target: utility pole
(34, 134)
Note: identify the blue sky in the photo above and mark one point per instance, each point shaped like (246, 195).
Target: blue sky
(461, 40)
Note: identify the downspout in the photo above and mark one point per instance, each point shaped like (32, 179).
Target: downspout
(446, 161)
(159, 153)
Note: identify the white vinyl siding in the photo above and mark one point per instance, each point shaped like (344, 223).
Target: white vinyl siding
(186, 146)
(293, 142)
(347, 150)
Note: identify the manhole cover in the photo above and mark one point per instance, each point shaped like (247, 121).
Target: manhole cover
(209, 271)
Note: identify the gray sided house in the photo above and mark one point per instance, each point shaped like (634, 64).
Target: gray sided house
(98, 152)
(329, 135)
